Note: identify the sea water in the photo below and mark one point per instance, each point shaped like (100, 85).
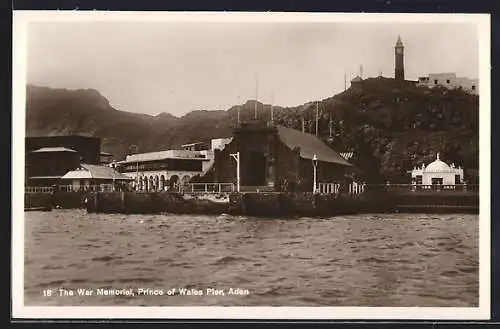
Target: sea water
(75, 258)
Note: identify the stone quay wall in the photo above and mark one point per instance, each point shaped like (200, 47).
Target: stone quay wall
(271, 204)
(248, 204)
(58, 199)
(151, 203)
(37, 201)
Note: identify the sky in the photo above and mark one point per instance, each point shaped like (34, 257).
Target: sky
(181, 66)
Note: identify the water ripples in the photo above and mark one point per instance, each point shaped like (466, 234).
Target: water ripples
(365, 260)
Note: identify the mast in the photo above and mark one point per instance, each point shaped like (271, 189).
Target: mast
(317, 118)
(238, 109)
(256, 95)
(272, 114)
(330, 125)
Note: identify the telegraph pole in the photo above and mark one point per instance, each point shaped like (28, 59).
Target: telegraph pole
(330, 125)
(236, 156)
(256, 95)
(238, 110)
(317, 118)
(272, 114)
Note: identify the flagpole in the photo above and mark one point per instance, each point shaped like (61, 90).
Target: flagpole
(316, 119)
(238, 109)
(272, 115)
(256, 95)
(330, 125)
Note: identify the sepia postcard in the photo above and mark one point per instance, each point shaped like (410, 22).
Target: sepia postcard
(279, 166)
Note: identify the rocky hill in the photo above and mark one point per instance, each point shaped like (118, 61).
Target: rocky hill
(389, 127)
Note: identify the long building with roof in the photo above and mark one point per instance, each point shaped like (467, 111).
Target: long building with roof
(277, 158)
(88, 148)
(49, 158)
(87, 175)
(159, 171)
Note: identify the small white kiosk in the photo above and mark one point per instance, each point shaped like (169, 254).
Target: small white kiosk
(437, 175)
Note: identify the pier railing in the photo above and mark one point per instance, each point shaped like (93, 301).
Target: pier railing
(336, 188)
(213, 188)
(207, 188)
(322, 188)
(70, 188)
(87, 188)
(358, 188)
(427, 189)
(38, 189)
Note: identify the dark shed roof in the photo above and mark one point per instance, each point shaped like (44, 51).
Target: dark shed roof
(309, 145)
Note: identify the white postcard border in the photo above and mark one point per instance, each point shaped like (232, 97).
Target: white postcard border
(20, 23)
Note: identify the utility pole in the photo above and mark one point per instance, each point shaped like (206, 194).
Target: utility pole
(113, 168)
(345, 82)
(272, 114)
(315, 168)
(238, 110)
(236, 156)
(137, 176)
(317, 118)
(330, 125)
(256, 95)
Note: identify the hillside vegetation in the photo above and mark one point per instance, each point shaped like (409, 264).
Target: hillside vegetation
(389, 127)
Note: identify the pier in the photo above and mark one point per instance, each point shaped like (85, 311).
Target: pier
(350, 200)
(213, 198)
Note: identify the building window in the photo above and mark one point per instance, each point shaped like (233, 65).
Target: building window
(457, 179)
(418, 180)
(447, 80)
(473, 87)
(435, 82)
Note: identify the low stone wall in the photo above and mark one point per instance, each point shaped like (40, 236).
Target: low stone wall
(59, 199)
(68, 200)
(296, 204)
(152, 203)
(262, 204)
(276, 204)
(37, 201)
(436, 199)
(105, 202)
(136, 203)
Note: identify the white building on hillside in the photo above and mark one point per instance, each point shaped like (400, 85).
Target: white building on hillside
(437, 174)
(451, 81)
(220, 143)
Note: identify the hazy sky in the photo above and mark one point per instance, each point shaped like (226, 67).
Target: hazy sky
(178, 67)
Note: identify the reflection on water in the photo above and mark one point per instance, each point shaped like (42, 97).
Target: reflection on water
(362, 260)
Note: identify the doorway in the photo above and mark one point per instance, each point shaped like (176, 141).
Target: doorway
(256, 169)
(437, 183)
